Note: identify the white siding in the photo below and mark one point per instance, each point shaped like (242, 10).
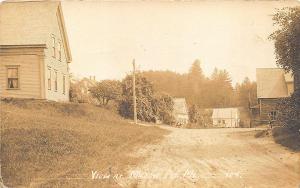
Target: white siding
(32, 26)
(226, 122)
(56, 65)
(29, 76)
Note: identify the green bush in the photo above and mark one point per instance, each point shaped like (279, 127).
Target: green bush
(151, 106)
(289, 111)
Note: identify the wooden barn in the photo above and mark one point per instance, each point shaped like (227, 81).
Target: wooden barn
(34, 51)
(273, 84)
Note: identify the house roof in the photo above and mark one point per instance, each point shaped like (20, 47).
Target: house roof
(272, 83)
(30, 23)
(225, 113)
(180, 106)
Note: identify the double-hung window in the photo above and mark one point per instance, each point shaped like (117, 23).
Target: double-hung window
(273, 115)
(13, 77)
(53, 46)
(49, 78)
(59, 50)
(55, 80)
(64, 84)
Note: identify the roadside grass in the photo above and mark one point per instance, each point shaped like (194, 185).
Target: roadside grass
(48, 144)
(285, 136)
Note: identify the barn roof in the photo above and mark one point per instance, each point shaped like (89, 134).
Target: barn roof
(30, 23)
(272, 82)
(225, 113)
(180, 106)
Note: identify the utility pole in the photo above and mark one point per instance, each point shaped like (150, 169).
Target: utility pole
(134, 94)
(1, 180)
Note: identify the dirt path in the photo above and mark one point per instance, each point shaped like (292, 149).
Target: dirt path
(216, 158)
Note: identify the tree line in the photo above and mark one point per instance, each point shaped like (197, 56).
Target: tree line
(214, 91)
(155, 91)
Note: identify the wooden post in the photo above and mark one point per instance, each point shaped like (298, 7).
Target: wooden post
(0, 143)
(134, 93)
(1, 180)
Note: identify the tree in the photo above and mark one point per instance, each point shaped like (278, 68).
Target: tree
(193, 113)
(106, 91)
(221, 89)
(246, 94)
(287, 49)
(194, 86)
(163, 107)
(195, 72)
(150, 106)
(287, 38)
(144, 97)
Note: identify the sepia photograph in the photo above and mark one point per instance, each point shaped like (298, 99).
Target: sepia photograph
(149, 94)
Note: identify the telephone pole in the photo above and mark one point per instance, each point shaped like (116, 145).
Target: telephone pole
(134, 94)
(1, 180)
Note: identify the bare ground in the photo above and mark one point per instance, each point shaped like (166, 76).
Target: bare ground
(215, 158)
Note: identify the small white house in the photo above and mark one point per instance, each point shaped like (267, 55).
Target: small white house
(180, 111)
(226, 117)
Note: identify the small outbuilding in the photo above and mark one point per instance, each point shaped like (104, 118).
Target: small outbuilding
(226, 117)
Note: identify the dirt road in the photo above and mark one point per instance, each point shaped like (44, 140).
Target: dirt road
(216, 158)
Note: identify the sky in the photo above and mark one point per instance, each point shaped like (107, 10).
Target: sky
(106, 36)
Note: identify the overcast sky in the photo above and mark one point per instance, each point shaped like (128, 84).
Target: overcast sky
(232, 35)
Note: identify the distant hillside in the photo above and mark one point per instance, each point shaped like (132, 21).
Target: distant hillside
(47, 143)
(204, 91)
(168, 81)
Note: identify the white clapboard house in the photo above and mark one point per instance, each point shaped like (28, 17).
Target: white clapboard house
(34, 51)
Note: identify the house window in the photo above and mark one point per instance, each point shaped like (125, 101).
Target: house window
(59, 51)
(13, 78)
(49, 78)
(223, 122)
(55, 80)
(64, 84)
(53, 46)
(273, 115)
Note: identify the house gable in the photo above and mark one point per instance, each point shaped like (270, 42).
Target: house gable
(32, 24)
(63, 33)
(273, 83)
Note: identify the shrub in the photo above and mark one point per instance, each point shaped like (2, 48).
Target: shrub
(144, 96)
(289, 111)
(106, 91)
(150, 106)
(163, 108)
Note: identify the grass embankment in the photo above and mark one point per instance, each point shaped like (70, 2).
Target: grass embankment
(285, 136)
(48, 144)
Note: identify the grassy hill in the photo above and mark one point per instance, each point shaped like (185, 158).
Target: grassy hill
(48, 144)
